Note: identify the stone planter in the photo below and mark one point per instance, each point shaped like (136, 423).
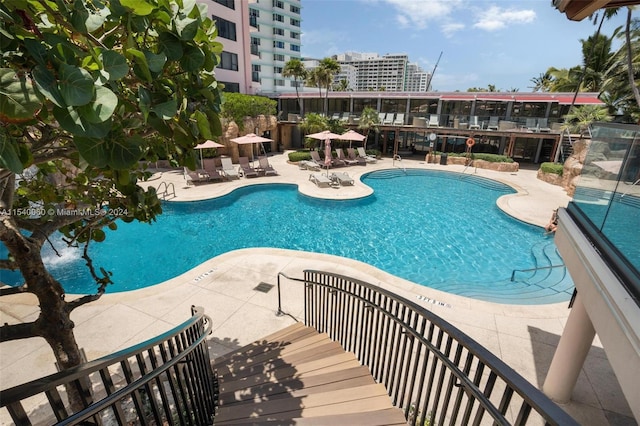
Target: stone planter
(552, 178)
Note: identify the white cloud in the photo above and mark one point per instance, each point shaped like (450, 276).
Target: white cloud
(323, 43)
(496, 18)
(451, 28)
(416, 14)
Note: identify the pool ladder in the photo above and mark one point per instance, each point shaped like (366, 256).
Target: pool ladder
(397, 157)
(169, 189)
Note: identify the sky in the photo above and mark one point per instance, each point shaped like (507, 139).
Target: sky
(504, 43)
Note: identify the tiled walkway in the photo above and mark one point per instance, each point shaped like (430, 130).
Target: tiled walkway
(524, 337)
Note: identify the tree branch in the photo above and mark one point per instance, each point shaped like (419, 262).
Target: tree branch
(9, 332)
(8, 264)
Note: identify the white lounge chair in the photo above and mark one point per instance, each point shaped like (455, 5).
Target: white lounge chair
(309, 165)
(381, 116)
(367, 158)
(530, 124)
(228, 169)
(320, 180)
(543, 125)
(342, 178)
(434, 120)
(493, 123)
(399, 120)
(473, 123)
(388, 120)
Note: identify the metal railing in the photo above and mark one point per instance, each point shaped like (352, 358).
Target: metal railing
(169, 189)
(167, 380)
(433, 371)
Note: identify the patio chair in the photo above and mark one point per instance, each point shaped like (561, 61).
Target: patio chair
(345, 117)
(399, 120)
(265, 167)
(367, 158)
(381, 116)
(320, 180)
(434, 120)
(308, 165)
(335, 116)
(194, 178)
(227, 168)
(245, 169)
(346, 160)
(336, 161)
(315, 157)
(543, 125)
(388, 120)
(214, 174)
(351, 153)
(342, 178)
(530, 125)
(493, 123)
(473, 123)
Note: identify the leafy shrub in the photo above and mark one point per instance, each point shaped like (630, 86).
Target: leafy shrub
(296, 156)
(554, 168)
(237, 106)
(492, 158)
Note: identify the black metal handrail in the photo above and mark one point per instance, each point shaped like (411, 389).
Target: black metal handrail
(165, 380)
(433, 371)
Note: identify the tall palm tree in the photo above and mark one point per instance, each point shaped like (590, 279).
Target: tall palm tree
(329, 67)
(296, 69)
(313, 123)
(542, 83)
(314, 79)
(369, 119)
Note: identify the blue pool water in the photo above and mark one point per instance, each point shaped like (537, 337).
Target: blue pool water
(437, 229)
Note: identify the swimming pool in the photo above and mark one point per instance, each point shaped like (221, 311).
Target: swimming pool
(435, 228)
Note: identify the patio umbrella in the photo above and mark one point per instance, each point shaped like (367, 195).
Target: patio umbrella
(251, 138)
(324, 135)
(327, 154)
(205, 145)
(351, 136)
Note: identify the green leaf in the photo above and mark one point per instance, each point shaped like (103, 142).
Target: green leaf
(203, 124)
(125, 153)
(76, 85)
(48, 85)
(18, 99)
(9, 158)
(193, 59)
(98, 235)
(142, 70)
(156, 61)
(138, 7)
(214, 123)
(93, 151)
(102, 107)
(166, 110)
(87, 20)
(37, 50)
(186, 28)
(115, 64)
(171, 46)
(144, 101)
(71, 121)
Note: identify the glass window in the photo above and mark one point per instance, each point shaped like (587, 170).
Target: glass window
(278, 17)
(228, 61)
(295, 35)
(360, 104)
(295, 22)
(230, 87)
(278, 3)
(254, 12)
(228, 3)
(278, 57)
(278, 44)
(277, 70)
(226, 29)
(295, 47)
(294, 9)
(278, 31)
(279, 82)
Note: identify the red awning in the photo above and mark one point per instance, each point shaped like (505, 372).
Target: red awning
(580, 100)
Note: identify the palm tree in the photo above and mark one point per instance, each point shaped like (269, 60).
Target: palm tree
(542, 83)
(329, 67)
(579, 119)
(313, 123)
(368, 119)
(314, 79)
(295, 68)
(341, 86)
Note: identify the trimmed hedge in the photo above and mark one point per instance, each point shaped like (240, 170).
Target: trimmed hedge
(554, 168)
(296, 156)
(491, 158)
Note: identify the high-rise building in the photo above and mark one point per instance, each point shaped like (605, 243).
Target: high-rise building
(232, 20)
(274, 40)
(417, 80)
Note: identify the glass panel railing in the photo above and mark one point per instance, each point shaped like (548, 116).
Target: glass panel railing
(608, 190)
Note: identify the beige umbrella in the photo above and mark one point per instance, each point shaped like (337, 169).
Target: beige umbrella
(251, 138)
(206, 145)
(324, 135)
(351, 136)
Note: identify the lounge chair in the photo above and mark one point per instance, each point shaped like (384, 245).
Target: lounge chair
(335, 116)
(345, 117)
(493, 123)
(265, 167)
(320, 180)
(227, 168)
(351, 153)
(309, 165)
(342, 178)
(543, 125)
(367, 158)
(315, 157)
(434, 120)
(473, 123)
(381, 116)
(388, 120)
(336, 161)
(530, 125)
(346, 160)
(213, 174)
(399, 120)
(245, 169)
(194, 178)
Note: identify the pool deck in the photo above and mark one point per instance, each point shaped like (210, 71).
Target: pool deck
(524, 337)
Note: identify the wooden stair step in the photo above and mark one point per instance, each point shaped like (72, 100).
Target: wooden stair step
(297, 385)
(318, 342)
(388, 417)
(353, 400)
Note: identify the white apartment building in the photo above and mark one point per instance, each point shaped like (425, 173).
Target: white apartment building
(232, 20)
(417, 79)
(274, 40)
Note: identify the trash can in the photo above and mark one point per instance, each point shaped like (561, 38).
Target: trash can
(443, 159)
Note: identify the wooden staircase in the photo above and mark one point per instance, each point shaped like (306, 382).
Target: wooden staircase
(299, 376)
